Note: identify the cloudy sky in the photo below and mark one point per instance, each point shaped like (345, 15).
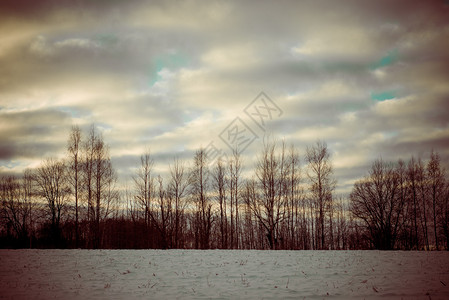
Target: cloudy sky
(370, 78)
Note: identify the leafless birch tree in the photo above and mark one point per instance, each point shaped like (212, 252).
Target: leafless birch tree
(74, 176)
(322, 184)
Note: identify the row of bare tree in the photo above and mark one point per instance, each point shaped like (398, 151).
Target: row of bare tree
(404, 205)
(285, 202)
(46, 201)
(212, 205)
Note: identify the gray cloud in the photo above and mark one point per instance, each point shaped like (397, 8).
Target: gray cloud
(369, 78)
(31, 134)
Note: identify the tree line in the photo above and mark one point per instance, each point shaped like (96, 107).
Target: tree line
(287, 201)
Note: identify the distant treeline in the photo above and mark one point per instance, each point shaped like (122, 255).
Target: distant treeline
(287, 202)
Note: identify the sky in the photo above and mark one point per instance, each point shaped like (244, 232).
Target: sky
(370, 78)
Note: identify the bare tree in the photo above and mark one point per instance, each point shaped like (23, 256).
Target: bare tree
(235, 166)
(15, 207)
(342, 227)
(423, 192)
(28, 194)
(436, 185)
(131, 206)
(177, 189)
(402, 194)
(322, 184)
(220, 182)
(248, 196)
(88, 158)
(75, 164)
(268, 206)
(104, 181)
(199, 190)
(144, 186)
(295, 196)
(53, 187)
(99, 179)
(413, 202)
(162, 213)
(445, 215)
(375, 201)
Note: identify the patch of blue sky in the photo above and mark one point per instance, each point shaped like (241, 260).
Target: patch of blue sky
(390, 58)
(382, 96)
(8, 163)
(72, 111)
(103, 126)
(191, 114)
(390, 134)
(106, 39)
(172, 61)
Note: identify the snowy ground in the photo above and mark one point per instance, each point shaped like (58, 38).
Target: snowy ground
(190, 274)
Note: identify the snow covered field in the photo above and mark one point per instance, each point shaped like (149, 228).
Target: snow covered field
(192, 274)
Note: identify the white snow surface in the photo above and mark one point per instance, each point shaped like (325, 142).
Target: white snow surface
(222, 274)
